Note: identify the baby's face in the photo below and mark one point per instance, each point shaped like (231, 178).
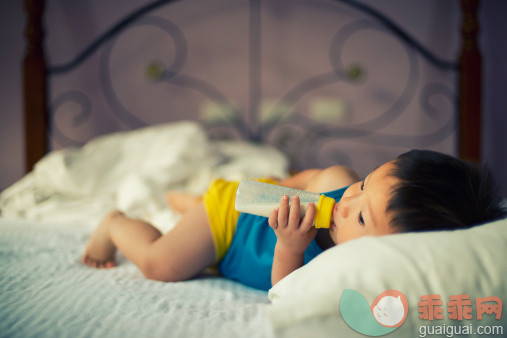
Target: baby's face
(362, 209)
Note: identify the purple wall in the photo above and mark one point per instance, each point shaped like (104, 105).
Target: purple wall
(407, 14)
(11, 119)
(494, 98)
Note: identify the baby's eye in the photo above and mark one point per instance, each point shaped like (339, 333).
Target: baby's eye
(361, 220)
(362, 185)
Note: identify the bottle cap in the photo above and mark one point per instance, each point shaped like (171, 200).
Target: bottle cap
(324, 212)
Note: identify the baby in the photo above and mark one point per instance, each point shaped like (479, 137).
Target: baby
(418, 191)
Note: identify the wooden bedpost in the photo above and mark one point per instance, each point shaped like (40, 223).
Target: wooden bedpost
(470, 85)
(35, 86)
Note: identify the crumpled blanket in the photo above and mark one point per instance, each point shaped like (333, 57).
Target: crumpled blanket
(132, 171)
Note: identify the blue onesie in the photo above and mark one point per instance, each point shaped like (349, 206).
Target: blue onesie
(250, 255)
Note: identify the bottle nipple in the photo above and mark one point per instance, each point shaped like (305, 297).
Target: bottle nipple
(324, 212)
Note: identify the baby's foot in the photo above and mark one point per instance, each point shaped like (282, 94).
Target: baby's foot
(100, 250)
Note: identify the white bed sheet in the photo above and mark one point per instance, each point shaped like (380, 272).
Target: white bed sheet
(46, 292)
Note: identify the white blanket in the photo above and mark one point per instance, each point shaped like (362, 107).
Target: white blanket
(132, 171)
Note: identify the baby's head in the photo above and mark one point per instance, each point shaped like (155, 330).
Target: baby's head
(418, 191)
(439, 192)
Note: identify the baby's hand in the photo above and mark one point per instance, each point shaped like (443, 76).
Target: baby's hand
(293, 234)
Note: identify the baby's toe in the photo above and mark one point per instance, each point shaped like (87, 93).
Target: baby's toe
(110, 264)
(90, 261)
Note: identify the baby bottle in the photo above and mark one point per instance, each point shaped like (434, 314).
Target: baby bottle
(261, 199)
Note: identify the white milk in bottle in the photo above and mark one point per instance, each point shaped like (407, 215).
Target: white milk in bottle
(261, 199)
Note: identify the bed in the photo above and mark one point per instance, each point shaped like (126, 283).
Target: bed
(230, 89)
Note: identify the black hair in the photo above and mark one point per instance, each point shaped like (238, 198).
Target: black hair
(439, 192)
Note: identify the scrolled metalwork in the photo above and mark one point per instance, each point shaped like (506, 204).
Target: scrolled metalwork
(78, 120)
(304, 139)
(169, 72)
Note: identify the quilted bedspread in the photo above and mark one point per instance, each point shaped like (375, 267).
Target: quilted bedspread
(46, 292)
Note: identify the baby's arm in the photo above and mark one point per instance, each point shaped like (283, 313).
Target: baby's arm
(321, 180)
(301, 179)
(293, 237)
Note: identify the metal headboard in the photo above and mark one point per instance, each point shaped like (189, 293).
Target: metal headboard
(37, 114)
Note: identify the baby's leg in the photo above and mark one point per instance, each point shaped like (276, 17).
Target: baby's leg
(181, 201)
(179, 255)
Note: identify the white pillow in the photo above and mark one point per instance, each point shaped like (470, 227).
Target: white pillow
(447, 263)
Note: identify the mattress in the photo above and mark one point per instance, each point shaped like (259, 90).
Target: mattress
(46, 292)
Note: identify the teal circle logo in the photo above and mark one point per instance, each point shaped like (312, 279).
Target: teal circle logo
(387, 312)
